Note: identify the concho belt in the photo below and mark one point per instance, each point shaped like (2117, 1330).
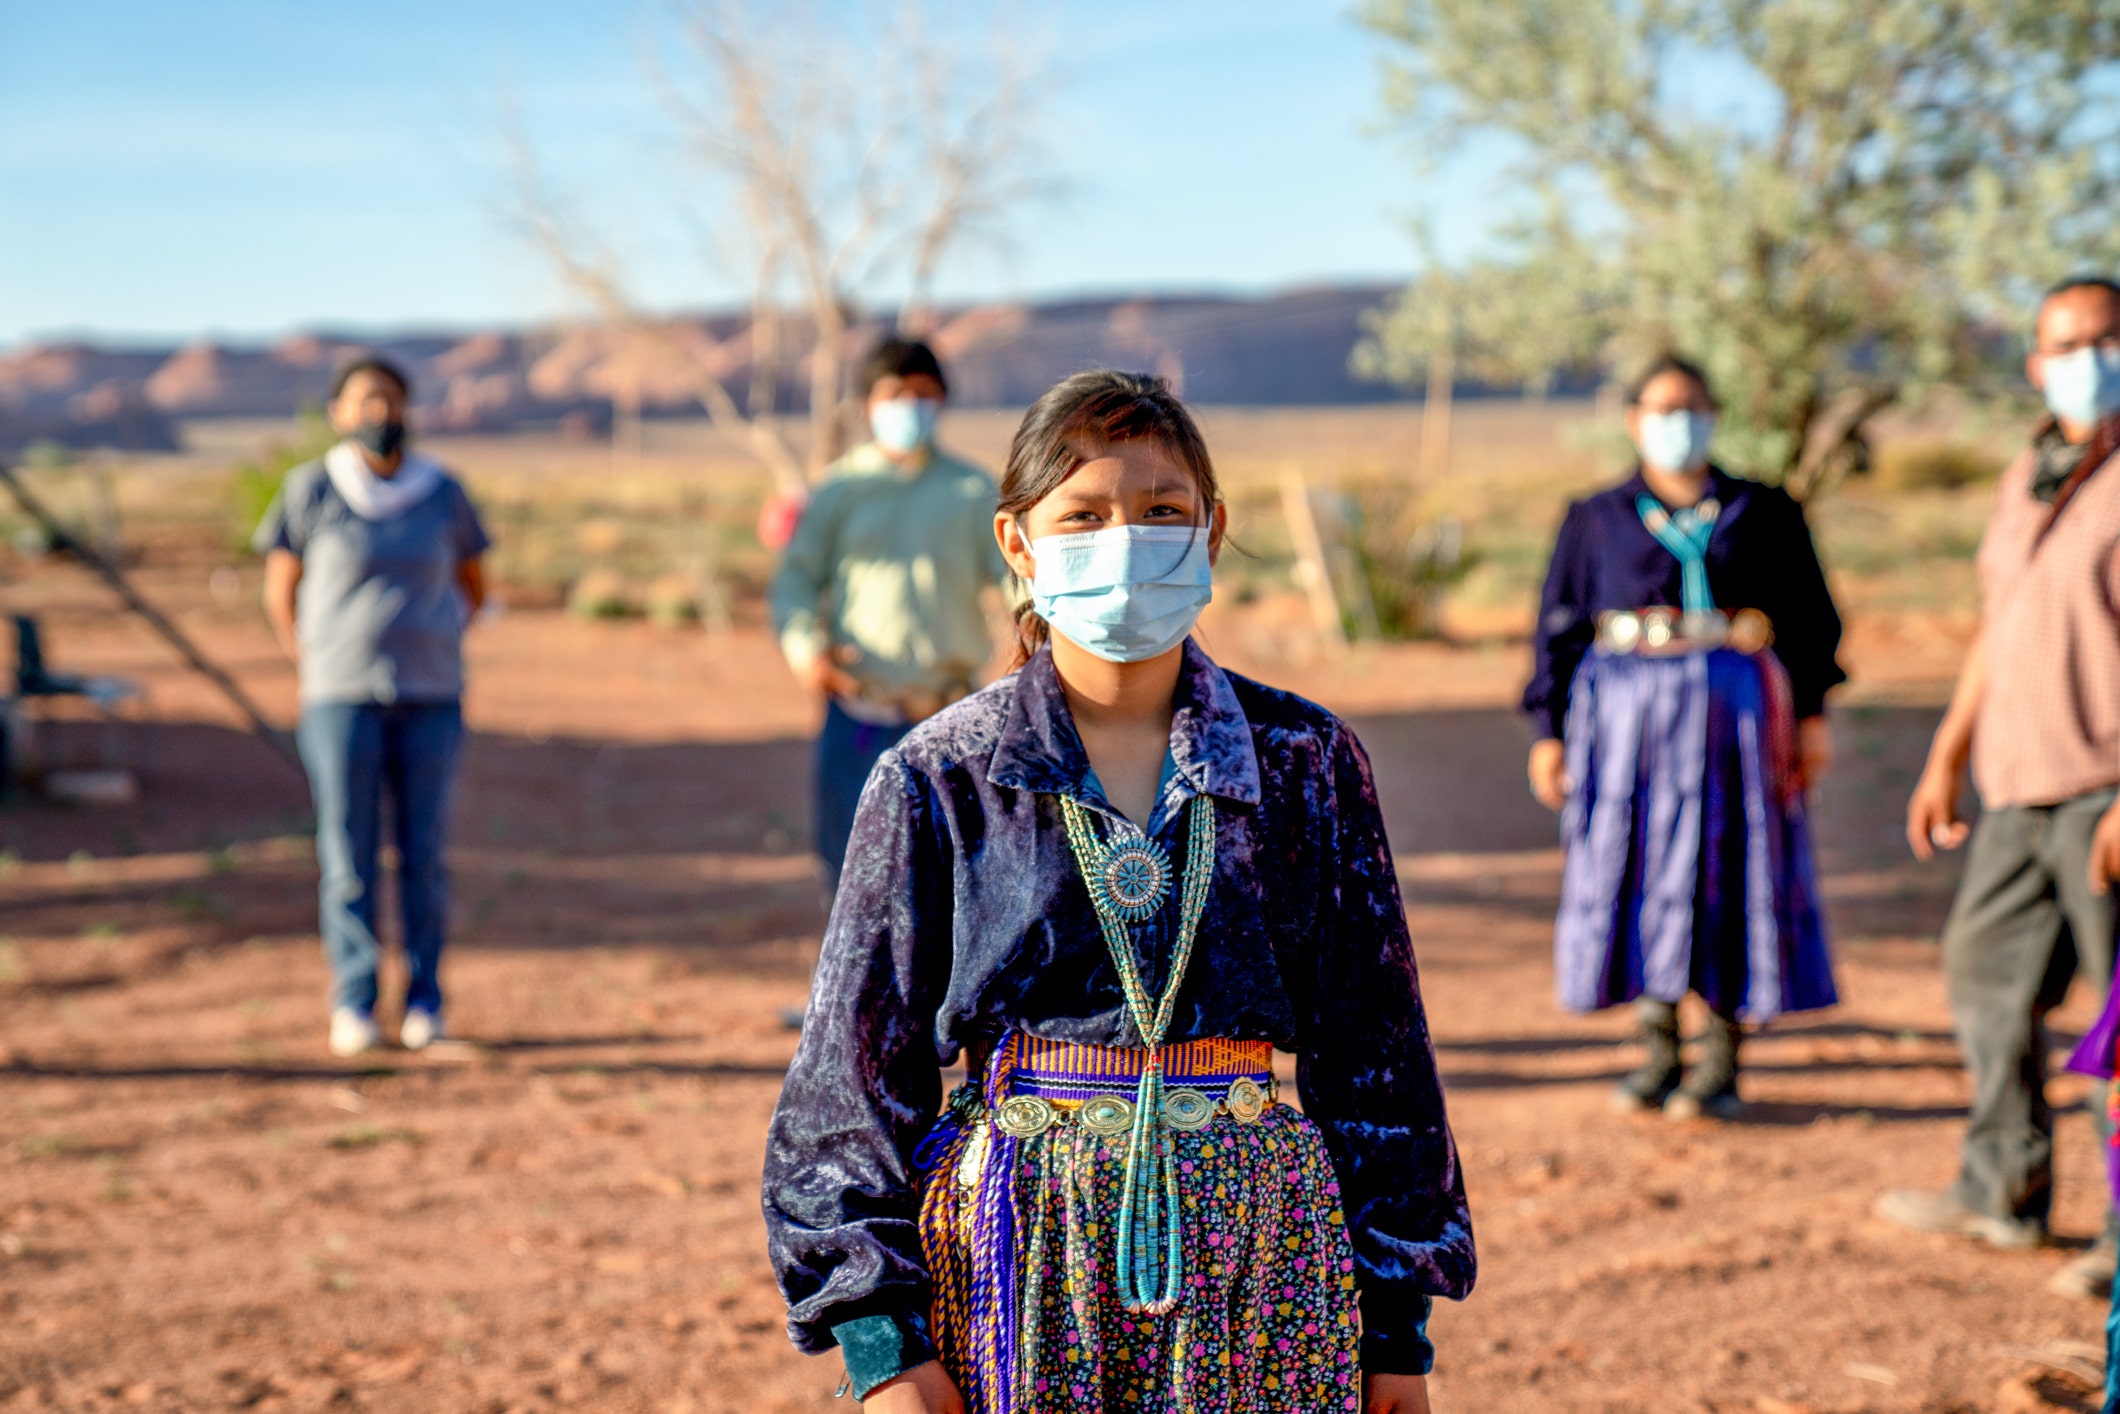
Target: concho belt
(1062, 1083)
(1668, 632)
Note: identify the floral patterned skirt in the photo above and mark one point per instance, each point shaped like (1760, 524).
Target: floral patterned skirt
(1020, 1234)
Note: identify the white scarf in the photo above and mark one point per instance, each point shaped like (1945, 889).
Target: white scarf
(375, 497)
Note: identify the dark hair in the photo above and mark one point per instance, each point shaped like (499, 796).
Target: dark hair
(1079, 418)
(1670, 363)
(369, 363)
(900, 358)
(2083, 282)
(2070, 286)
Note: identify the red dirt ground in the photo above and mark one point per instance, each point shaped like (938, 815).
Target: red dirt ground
(200, 1210)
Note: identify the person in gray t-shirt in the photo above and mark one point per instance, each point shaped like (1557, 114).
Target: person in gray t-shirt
(372, 573)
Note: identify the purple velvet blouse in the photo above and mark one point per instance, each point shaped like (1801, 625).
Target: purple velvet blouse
(961, 915)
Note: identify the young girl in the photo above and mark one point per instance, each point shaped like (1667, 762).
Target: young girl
(1115, 881)
(1684, 649)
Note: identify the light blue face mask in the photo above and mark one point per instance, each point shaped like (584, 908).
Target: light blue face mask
(1676, 440)
(1125, 594)
(904, 424)
(2082, 387)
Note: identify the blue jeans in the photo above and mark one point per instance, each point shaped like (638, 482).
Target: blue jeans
(355, 752)
(847, 751)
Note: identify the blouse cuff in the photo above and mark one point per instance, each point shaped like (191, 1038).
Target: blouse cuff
(881, 1347)
(1396, 1342)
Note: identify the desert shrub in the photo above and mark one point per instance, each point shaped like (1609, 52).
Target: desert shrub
(253, 484)
(1933, 466)
(671, 600)
(1391, 567)
(601, 594)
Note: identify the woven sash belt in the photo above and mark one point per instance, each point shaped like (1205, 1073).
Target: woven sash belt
(1065, 1082)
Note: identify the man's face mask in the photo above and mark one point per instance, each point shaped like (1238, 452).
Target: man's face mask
(1125, 594)
(905, 424)
(2082, 386)
(384, 439)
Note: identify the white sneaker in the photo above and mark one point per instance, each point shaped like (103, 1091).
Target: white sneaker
(353, 1032)
(420, 1030)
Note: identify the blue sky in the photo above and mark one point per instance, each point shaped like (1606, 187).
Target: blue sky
(249, 168)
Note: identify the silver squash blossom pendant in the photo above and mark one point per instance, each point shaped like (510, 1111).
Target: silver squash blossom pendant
(1133, 875)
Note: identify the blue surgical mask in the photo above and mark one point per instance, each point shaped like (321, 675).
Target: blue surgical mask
(1676, 440)
(905, 424)
(1125, 594)
(2082, 387)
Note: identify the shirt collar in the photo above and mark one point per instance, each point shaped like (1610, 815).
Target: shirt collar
(1722, 487)
(873, 459)
(1210, 738)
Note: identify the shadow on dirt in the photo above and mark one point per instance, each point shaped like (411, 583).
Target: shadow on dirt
(1455, 1079)
(701, 846)
(286, 1074)
(1780, 1030)
(1772, 1115)
(1451, 781)
(511, 1045)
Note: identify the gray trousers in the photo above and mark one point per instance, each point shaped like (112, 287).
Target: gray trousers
(2024, 921)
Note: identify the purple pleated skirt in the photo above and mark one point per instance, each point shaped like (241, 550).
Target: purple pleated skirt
(1688, 859)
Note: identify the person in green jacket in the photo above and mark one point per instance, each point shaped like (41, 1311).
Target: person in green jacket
(878, 598)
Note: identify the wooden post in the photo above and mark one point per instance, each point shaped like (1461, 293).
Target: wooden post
(1313, 572)
(1435, 415)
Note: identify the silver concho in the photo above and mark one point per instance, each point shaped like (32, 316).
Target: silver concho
(1247, 1101)
(1751, 631)
(1188, 1109)
(1107, 1114)
(1023, 1116)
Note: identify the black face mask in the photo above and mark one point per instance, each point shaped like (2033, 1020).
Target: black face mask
(385, 439)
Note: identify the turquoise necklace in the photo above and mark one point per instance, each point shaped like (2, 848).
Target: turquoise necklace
(1128, 879)
(1685, 533)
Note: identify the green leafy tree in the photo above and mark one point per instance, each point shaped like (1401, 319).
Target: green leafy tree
(1871, 190)
(253, 484)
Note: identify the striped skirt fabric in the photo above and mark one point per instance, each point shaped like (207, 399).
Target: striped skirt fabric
(1019, 1234)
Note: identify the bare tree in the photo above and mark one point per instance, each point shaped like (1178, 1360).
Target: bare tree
(845, 151)
(588, 267)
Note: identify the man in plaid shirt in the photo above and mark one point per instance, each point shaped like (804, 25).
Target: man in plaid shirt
(2037, 713)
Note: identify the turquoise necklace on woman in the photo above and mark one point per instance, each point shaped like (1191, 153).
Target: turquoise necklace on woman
(1129, 878)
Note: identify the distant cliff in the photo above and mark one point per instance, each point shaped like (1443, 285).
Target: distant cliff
(1289, 348)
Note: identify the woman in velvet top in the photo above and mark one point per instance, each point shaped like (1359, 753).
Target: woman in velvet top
(1684, 649)
(1114, 881)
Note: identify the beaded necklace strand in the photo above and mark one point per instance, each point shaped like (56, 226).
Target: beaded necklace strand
(1151, 1256)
